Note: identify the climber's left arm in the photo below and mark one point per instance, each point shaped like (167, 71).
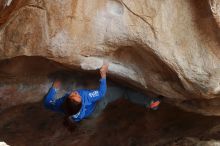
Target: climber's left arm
(95, 95)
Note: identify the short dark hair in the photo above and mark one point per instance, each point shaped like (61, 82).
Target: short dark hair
(71, 108)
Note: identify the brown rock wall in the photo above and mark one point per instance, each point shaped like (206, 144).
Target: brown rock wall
(166, 47)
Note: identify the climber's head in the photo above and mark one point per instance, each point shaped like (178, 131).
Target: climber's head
(75, 97)
(72, 104)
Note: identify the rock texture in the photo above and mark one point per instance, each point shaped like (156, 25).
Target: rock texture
(3, 144)
(167, 47)
(169, 126)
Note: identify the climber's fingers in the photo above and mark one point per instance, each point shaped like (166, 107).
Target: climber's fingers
(57, 84)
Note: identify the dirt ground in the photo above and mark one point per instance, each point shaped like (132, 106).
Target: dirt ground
(121, 124)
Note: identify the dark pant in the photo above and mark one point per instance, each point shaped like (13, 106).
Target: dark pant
(114, 93)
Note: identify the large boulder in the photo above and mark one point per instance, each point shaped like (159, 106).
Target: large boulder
(167, 47)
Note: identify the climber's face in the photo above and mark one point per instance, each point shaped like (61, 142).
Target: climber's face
(75, 97)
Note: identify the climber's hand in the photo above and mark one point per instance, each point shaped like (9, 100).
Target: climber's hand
(104, 70)
(57, 84)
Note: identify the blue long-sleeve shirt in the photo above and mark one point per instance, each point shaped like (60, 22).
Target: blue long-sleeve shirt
(88, 98)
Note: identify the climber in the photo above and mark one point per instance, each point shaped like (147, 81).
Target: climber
(78, 104)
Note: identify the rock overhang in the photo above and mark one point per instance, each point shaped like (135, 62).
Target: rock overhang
(169, 48)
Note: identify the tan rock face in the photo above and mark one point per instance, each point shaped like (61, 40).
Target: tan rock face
(215, 8)
(168, 47)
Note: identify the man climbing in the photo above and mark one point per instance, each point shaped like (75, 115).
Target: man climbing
(78, 104)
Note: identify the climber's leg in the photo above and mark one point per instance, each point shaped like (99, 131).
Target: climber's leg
(141, 99)
(137, 97)
(112, 94)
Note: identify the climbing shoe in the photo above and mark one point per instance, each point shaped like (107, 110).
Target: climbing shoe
(154, 104)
